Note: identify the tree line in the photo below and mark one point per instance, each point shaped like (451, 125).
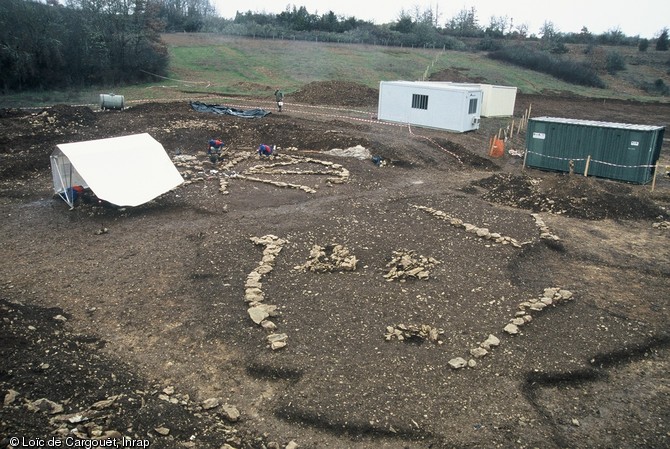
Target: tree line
(47, 44)
(426, 24)
(88, 42)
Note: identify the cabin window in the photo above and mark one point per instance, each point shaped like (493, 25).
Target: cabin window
(419, 101)
(473, 106)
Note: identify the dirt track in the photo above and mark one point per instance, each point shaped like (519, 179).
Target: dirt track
(151, 314)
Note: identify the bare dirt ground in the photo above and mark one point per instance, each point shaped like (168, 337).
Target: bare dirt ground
(133, 323)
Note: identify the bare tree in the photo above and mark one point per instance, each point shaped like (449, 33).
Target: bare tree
(465, 23)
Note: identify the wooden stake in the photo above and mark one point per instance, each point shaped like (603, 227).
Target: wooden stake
(586, 167)
(653, 182)
(525, 118)
(525, 155)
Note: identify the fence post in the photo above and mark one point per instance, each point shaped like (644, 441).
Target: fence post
(653, 182)
(525, 155)
(586, 168)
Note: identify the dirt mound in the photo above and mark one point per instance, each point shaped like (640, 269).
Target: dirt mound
(64, 115)
(573, 196)
(456, 75)
(338, 93)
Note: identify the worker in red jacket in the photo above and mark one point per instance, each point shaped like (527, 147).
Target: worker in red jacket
(214, 150)
(265, 150)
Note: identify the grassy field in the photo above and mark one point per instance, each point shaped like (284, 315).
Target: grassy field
(207, 64)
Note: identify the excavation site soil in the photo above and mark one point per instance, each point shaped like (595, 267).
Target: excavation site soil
(370, 285)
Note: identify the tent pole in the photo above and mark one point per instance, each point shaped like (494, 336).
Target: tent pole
(64, 193)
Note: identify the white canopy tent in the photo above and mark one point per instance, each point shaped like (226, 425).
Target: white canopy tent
(125, 171)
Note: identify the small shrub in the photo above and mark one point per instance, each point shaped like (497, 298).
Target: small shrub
(561, 68)
(615, 62)
(489, 44)
(658, 87)
(559, 48)
(597, 57)
(643, 45)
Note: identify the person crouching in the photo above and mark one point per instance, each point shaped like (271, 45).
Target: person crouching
(266, 150)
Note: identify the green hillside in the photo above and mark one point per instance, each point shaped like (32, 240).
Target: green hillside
(204, 64)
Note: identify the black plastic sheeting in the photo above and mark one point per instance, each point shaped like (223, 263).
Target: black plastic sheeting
(225, 110)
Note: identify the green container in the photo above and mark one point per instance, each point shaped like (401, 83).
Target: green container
(111, 101)
(613, 150)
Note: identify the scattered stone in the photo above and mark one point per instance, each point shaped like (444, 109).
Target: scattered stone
(105, 403)
(565, 294)
(230, 412)
(545, 233)
(254, 294)
(411, 332)
(45, 406)
(111, 435)
(405, 264)
(329, 258)
(358, 152)
(74, 419)
(260, 312)
(483, 233)
(478, 352)
(192, 170)
(10, 397)
(162, 431)
(254, 281)
(292, 445)
(277, 341)
(472, 363)
(511, 329)
(550, 292)
(268, 325)
(211, 403)
(457, 363)
(491, 341)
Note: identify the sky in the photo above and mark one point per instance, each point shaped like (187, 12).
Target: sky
(645, 18)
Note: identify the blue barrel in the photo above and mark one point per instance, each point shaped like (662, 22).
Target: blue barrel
(111, 101)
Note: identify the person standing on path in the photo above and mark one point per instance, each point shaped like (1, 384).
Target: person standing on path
(279, 97)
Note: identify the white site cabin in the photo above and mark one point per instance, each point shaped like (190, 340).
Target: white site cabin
(431, 104)
(498, 101)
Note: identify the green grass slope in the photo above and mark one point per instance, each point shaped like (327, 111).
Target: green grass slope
(204, 64)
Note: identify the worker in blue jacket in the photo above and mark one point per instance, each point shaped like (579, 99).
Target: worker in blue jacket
(214, 150)
(265, 150)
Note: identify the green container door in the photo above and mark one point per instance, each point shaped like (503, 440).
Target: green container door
(617, 151)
